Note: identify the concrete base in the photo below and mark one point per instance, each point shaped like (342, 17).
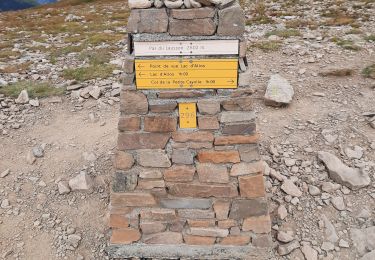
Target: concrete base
(188, 252)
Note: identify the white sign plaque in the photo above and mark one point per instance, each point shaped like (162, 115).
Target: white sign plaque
(179, 48)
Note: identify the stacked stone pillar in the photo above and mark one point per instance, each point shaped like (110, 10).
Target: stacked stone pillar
(188, 193)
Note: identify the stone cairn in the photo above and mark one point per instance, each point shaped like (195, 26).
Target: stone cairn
(191, 193)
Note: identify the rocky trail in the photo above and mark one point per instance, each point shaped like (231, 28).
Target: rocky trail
(58, 138)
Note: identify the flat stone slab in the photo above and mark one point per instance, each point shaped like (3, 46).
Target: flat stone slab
(189, 252)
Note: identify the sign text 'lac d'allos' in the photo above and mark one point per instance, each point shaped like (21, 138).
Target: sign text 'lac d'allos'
(179, 48)
(186, 73)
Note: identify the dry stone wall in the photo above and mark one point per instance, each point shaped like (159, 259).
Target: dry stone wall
(199, 189)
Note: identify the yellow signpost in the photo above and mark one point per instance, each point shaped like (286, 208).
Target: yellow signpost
(186, 73)
(188, 115)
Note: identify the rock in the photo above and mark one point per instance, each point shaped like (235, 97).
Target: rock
(363, 239)
(34, 102)
(313, 190)
(148, 20)
(81, 182)
(63, 187)
(355, 153)
(351, 177)
(3, 82)
(285, 237)
(95, 92)
(205, 26)
(338, 203)
(141, 4)
(173, 4)
(30, 158)
(38, 151)
(288, 248)
(343, 243)
(329, 230)
(5, 173)
(328, 246)
(5, 204)
(368, 256)
(289, 162)
(329, 136)
(330, 187)
(72, 18)
(91, 157)
(282, 212)
(291, 189)
(279, 92)
(231, 21)
(23, 97)
(74, 240)
(309, 252)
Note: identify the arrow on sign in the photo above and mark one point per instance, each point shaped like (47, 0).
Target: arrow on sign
(140, 66)
(230, 81)
(140, 74)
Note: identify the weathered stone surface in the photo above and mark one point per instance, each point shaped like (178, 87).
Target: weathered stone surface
(179, 173)
(125, 181)
(158, 214)
(123, 160)
(183, 156)
(279, 91)
(150, 184)
(236, 240)
(197, 136)
(160, 124)
(249, 152)
(150, 174)
(260, 224)
(185, 203)
(201, 222)
(205, 26)
(309, 252)
(350, 177)
(231, 21)
(208, 123)
(240, 129)
(237, 117)
(369, 256)
(236, 139)
(252, 186)
(118, 221)
(128, 64)
(238, 104)
(221, 208)
(23, 97)
(227, 223)
(148, 21)
(196, 214)
(199, 240)
(248, 208)
(131, 141)
(173, 4)
(329, 230)
(132, 102)
(152, 227)
(290, 188)
(139, 4)
(163, 238)
(239, 169)
(129, 123)
(153, 158)
(212, 173)
(243, 48)
(193, 145)
(262, 240)
(125, 236)
(202, 190)
(363, 239)
(209, 107)
(162, 107)
(182, 94)
(132, 200)
(195, 13)
(210, 156)
(208, 232)
(81, 182)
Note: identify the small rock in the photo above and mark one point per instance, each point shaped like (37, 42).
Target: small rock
(285, 237)
(38, 151)
(81, 182)
(353, 178)
(355, 153)
(74, 240)
(338, 203)
(343, 243)
(91, 157)
(309, 252)
(5, 204)
(369, 256)
(23, 97)
(30, 158)
(34, 102)
(72, 18)
(279, 91)
(95, 92)
(63, 187)
(288, 248)
(363, 239)
(313, 190)
(133, 4)
(328, 246)
(290, 188)
(289, 162)
(282, 212)
(329, 230)
(5, 173)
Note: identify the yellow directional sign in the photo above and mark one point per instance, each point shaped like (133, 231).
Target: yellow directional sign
(188, 115)
(186, 73)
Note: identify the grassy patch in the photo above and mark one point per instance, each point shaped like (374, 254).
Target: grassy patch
(259, 14)
(267, 46)
(284, 33)
(370, 38)
(104, 37)
(337, 72)
(35, 89)
(90, 72)
(301, 23)
(16, 68)
(354, 31)
(369, 72)
(95, 58)
(8, 54)
(346, 44)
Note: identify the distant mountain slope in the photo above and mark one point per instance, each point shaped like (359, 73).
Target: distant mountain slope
(7, 5)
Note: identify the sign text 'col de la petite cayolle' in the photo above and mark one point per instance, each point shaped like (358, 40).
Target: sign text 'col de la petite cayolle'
(189, 179)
